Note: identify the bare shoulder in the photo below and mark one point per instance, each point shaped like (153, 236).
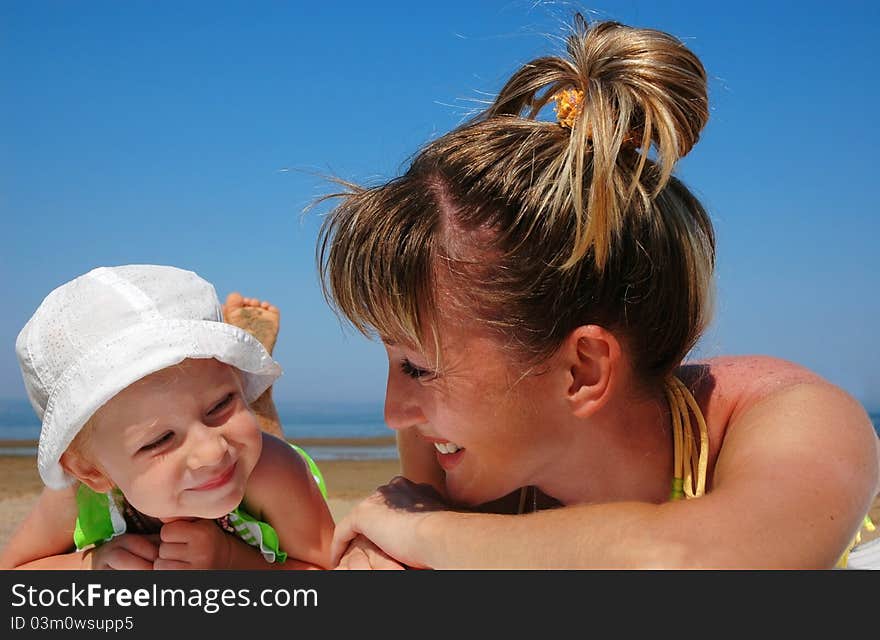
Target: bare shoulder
(279, 466)
(785, 417)
(747, 395)
(786, 446)
(737, 382)
(727, 387)
(283, 492)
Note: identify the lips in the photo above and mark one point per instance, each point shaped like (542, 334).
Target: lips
(449, 454)
(217, 481)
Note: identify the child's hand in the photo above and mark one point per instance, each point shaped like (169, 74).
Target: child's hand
(193, 544)
(128, 551)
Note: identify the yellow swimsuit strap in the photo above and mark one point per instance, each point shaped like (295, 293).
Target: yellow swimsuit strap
(690, 462)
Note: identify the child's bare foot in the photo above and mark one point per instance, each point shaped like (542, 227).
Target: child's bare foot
(257, 317)
(262, 320)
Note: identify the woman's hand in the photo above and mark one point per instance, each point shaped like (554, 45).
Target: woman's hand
(362, 554)
(389, 520)
(128, 551)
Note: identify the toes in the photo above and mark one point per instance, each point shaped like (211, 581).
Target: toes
(234, 299)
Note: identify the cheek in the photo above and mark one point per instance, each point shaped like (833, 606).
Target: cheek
(245, 429)
(518, 417)
(149, 492)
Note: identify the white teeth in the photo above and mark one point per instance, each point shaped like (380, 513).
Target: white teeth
(446, 447)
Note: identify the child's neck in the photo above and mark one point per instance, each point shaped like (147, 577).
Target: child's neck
(138, 522)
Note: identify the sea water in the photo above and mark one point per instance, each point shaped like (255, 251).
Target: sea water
(350, 422)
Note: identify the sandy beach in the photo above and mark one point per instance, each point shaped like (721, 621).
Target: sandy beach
(348, 481)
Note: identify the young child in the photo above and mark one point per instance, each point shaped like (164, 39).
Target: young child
(150, 452)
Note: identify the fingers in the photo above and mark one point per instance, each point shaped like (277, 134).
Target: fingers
(126, 552)
(173, 551)
(176, 541)
(375, 557)
(353, 559)
(143, 547)
(175, 538)
(342, 536)
(179, 530)
(362, 554)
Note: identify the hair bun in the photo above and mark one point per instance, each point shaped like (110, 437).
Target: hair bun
(618, 87)
(644, 82)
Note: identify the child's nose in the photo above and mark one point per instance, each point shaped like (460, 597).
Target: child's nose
(208, 449)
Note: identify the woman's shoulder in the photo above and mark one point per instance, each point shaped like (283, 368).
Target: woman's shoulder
(736, 382)
(727, 387)
(733, 389)
(756, 368)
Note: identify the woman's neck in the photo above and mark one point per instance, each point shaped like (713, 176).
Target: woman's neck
(623, 452)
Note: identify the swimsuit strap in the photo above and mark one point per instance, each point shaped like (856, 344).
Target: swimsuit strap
(690, 463)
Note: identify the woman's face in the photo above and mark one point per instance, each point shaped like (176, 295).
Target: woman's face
(493, 428)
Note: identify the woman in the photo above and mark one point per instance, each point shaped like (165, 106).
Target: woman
(537, 283)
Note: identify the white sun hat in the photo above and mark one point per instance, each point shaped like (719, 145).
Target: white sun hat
(95, 335)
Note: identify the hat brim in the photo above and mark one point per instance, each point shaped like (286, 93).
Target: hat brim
(127, 357)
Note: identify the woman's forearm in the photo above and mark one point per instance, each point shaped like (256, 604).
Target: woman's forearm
(615, 535)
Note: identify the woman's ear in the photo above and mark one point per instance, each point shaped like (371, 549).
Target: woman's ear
(593, 357)
(81, 468)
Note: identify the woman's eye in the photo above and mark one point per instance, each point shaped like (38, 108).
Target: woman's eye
(222, 404)
(158, 442)
(414, 372)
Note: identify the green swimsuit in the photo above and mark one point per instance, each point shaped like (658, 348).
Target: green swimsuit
(102, 516)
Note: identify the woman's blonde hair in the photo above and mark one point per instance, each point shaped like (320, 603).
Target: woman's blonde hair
(537, 226)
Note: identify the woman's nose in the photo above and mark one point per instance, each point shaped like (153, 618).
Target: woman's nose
(402, 409)
(208, 448)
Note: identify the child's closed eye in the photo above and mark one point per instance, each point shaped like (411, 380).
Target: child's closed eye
(158, 442)
(225, 402)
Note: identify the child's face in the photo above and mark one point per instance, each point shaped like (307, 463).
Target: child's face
(179, 443)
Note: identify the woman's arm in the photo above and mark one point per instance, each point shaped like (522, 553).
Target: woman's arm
(796, 474)
(283, 492)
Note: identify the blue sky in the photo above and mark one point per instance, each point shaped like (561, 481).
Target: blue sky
(194, 134)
